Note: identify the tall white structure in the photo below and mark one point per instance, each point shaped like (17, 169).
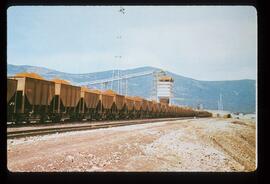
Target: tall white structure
(165, 89)
(156, 76)
(220, 103)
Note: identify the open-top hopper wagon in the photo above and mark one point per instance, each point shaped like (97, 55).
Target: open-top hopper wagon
(118, 105)
(88, 105)
(66, 99)
(105, 108)
(33, 97)
(130, 107)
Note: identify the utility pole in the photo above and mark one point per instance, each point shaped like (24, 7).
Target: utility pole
(112, 80)
(154, 85)
(119, 82)
(220, 103)
(126, 85)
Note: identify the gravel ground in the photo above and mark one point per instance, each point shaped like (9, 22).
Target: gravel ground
(209, 144)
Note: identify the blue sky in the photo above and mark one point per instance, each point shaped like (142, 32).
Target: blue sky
(201, 42)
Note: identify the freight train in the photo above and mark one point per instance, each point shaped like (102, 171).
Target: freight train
(33, 98)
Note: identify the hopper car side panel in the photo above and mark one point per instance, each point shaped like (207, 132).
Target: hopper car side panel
(11, 99)
(66, 102)
(91, 100)
(150, 106)
(107, 101)
(106, 107)
(144, 105)
(11, 88)
(89, 105)
(120, 102)
(33, 98)
(129, 104)
(39, 92)
(137, 105)
(129, 110)
(69, 95)
(119, 112)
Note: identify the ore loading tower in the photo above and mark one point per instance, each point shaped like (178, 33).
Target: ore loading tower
(164, 88)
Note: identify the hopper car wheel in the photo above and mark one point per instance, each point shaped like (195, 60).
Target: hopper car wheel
(18, 120)
(98, 117)
(72, 118)
(56, 119)
(43, 118)
(80, 118)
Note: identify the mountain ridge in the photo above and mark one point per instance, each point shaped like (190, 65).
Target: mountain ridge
(137, 68)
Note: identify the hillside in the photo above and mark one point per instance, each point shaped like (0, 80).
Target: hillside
(238, 95)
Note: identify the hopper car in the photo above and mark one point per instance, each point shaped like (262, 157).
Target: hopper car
(33, 98)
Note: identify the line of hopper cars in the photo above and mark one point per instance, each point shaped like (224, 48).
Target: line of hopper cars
(32, 98)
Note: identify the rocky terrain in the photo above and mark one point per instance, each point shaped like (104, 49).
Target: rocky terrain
(210, 144)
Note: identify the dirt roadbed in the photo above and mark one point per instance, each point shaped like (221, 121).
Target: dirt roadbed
(208, 144)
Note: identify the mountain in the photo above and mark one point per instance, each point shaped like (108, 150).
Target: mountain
(237, 95)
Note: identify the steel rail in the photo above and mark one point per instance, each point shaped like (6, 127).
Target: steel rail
(44, 131)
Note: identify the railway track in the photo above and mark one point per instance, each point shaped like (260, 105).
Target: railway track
(51, 130)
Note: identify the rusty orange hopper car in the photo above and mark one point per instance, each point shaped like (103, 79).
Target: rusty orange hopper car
(33, 98)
